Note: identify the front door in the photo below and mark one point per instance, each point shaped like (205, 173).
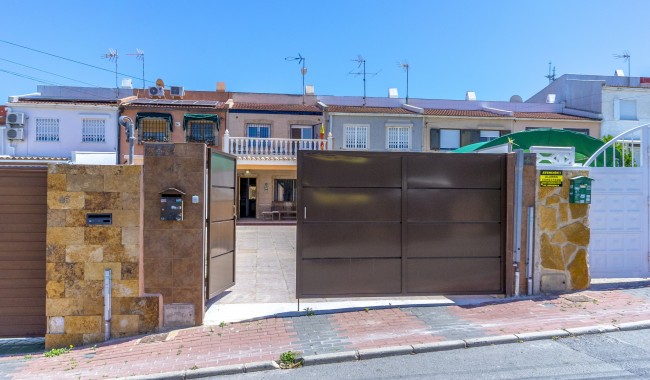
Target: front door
(221, 218)
(247, 197)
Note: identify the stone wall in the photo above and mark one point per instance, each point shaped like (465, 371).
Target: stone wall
(77, 255)
(173, 250)
(562, 238)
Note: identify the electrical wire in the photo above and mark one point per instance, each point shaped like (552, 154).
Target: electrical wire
(47, 72)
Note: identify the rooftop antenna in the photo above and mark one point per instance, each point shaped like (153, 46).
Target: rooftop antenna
(626, 58)
(139, 54)
(405, 65)
(112, 56)
(550, 76)
(303, 71)
(362, 62)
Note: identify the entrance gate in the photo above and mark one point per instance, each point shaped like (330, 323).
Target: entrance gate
(221, 222)
(377, 224)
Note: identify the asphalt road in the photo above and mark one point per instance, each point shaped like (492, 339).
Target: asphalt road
(619, 355)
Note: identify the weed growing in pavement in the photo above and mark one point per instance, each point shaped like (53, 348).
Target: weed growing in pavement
(367, 309)
(194, 367)
(27, 357)
(179, 350)
(222, 324)
(289, 360)
(57, 351)
(309, 312)
(555, 337)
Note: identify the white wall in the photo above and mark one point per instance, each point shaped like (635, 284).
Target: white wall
(611, 123)
(70, 128)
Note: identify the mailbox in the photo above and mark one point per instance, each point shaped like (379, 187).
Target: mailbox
(580, 190)
(171, 204)
(99, 219)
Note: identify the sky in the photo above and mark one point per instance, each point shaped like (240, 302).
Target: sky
(495, 48)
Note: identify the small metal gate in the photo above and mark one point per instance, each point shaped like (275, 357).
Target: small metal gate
(372, 224)
(221, 222)
(23, 221)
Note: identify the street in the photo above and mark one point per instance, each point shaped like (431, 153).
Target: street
(600, 356)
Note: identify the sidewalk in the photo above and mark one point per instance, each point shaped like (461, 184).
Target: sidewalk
(197, 351)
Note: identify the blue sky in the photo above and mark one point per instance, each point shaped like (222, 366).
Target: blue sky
(495, 48)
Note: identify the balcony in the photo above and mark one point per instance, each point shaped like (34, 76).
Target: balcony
(271, 150)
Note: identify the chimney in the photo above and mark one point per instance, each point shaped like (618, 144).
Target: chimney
(470, 95)
(309, 89)
(550, 98)
(392, 93)
(221, 86)
(619, 73)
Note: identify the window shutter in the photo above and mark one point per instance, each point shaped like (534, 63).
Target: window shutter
(503, 133)
(434, 139)
(469, 136)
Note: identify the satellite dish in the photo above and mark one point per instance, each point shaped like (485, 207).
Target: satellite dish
(516, 99)
(160, 83)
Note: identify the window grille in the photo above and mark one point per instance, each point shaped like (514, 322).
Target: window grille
(259, 130)
(93, 130)
(154, 129)
(356, 137)
(47, 129)
(202, 131)
(398, 137)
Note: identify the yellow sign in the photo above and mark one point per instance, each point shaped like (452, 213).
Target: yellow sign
(550, 178)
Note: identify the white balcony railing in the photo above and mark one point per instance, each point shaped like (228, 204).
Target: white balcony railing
(271, 147)
(554, 155)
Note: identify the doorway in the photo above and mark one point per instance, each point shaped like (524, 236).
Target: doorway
(247, 197)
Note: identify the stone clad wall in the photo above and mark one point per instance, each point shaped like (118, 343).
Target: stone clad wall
(77, 255)
(562, 238)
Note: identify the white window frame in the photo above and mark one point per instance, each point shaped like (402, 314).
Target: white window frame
(355, 143)
(47, 129)
(401, 139)
(93, 133)
(483, 137)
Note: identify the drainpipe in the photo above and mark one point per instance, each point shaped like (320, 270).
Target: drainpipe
(529, 249)
(518, 196)
(107, 303)
(127, 123)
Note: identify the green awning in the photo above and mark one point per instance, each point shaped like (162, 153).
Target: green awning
(158, 115)
(200, 116)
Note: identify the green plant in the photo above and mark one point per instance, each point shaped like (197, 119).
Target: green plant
(623, 156)
(289, 360)
(222, 324)
(309, 311)
(194, 367)
(57, 351)
(27, 357)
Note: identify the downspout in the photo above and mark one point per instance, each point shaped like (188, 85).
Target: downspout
(529, 249)
(519, 169)
(107, 303)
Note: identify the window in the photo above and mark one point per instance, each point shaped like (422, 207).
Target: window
(488, 135)
(285, 190)
(449, 139)
(202, 131)
(628, 109)
(47, 129)
(259, 130)
(153, 129)
(578, 130)
(398, 137)
(93, 130)
(356, 136)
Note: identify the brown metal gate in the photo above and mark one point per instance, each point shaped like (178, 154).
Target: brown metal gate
(23, 221)
(221, 220)
(373, 224)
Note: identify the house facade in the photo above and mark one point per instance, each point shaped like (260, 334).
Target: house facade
(73, 123)
(621, 102)
(265, 132)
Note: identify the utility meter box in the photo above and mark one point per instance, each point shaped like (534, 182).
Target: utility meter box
(171, 204)
(580, 190)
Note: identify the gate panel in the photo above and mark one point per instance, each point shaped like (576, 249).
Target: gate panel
(417, 224)
(221, 236)
(23, 221)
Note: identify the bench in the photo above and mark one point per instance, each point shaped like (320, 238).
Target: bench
(286, 209)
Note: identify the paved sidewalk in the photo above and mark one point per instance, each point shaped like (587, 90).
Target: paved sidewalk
(197, 351)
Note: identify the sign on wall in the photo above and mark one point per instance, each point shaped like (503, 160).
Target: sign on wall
(550, 178)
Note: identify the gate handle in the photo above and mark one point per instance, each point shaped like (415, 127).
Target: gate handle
(305, 213)
(234, 212)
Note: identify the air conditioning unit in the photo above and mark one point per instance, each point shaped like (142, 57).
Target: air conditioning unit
(176, 90)
(16, 133)
(16, 118)
(156, 91)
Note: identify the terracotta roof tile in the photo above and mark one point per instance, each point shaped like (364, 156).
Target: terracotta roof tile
(363, 109)
(547, 115)
(461, 113)
(94, 102)
(276, 107)
(175, 103)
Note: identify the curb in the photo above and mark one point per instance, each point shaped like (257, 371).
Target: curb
(374, 353)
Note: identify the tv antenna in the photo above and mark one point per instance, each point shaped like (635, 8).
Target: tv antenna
(112, 56)
(361, 62)
(405, 65)
(550, 76)
(139, 54)
(303, 71)
(626, 58)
